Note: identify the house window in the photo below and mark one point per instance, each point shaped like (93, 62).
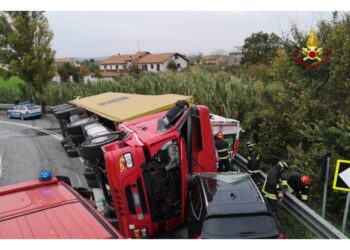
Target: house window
(178, 65)
(151, 66)
(176, 56)
(144, 67)
(158, 67)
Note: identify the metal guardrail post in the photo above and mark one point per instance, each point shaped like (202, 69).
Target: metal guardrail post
(315, 223)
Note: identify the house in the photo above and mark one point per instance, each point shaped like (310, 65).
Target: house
(217, 60)
(145, 60)
(120, 63)
(235, 57)
(159, 62)
(72, 61)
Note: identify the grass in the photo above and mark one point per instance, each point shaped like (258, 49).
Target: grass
(10, 89)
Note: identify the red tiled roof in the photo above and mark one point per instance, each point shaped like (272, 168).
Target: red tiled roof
(123, 59)
(158, 58)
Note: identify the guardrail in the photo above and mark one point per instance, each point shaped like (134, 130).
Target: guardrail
(314, 222)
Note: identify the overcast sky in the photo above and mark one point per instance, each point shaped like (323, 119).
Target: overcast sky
(95, 34)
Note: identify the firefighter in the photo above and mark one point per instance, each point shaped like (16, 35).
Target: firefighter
(222, 149)
(253, 162)
(272, 187)
(298, 184)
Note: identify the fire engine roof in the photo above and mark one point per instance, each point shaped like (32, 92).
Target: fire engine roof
(123, 107)
(41, 210)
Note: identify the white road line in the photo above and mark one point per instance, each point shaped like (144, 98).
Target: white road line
(77, 176)
(57, 136)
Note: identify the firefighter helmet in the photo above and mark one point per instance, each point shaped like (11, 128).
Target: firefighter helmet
(220, 135)
(283, 164)
(306, 180)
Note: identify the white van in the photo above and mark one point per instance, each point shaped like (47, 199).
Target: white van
(230, 128)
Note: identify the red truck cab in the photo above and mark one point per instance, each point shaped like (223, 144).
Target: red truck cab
(148, 169)
(50, 210)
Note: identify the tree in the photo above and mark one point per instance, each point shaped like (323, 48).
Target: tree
(260, 48)
(134, 69)
(172, 65)
(66, 70)
(25, 40)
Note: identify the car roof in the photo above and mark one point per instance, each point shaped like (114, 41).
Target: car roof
(51, 209)
(231, 193)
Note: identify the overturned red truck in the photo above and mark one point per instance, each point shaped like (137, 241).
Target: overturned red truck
(140, 169)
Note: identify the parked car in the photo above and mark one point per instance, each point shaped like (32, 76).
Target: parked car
(24, 110)
(229, 206)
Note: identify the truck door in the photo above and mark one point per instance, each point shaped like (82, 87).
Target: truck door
(203, 156)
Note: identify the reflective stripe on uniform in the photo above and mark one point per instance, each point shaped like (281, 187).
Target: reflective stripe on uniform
(249, 158)
(223, 150)
(253, 171)
(304, 197)
(290, 190)
(284, 182)
(258, 157)
(223, 158)
(266, 194)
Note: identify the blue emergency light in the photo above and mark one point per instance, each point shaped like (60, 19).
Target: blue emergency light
(45, 175)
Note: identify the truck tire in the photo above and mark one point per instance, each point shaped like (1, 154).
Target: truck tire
(68, 145)
(75, 128)
(72, 152)
(77, 111)
(64, 141)
(64, 113)
(74, 118)
(77, 139)
(61, 106)
(91, 178)
(91, 148)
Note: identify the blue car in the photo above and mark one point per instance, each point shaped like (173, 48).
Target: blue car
(24, 111)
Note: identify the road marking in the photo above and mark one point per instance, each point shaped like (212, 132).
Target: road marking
(77, 176)
(57, 136)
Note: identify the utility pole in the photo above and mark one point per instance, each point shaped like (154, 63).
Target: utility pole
(324, 201)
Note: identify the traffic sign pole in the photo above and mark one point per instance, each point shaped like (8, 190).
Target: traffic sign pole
(345, 217)
(325, 189)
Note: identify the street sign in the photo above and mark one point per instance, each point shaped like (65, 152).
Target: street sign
(342, 176)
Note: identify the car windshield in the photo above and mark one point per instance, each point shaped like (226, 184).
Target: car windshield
(32, 107)
(241, 227)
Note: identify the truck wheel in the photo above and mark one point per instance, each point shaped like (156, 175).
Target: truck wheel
(64, 141)
(77, 111)
(74, 118)
(64, 113)
(77, 139)
(74, 128)
(90, 177)
(72, 152)
(68, 145)
(91, 148)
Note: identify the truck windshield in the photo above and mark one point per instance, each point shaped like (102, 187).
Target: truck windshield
(241, 227)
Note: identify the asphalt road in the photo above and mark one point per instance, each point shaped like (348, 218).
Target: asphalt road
(24, 151)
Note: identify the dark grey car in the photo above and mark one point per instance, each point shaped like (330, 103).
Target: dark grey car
(229, 206)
